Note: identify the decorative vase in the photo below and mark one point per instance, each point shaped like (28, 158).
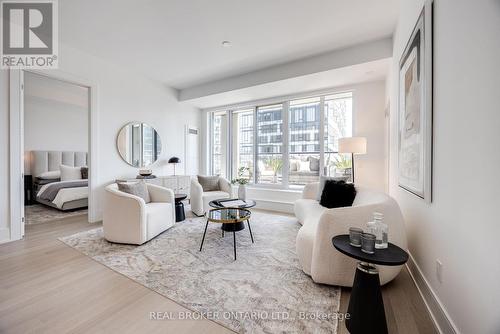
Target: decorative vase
(242, 192)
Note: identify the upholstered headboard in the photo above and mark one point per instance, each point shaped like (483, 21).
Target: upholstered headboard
(46, 161)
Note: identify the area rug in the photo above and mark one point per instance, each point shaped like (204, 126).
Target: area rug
(263, 291)
(38, 213)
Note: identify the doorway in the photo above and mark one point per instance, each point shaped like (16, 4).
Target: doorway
(56, 117)
(52, 123)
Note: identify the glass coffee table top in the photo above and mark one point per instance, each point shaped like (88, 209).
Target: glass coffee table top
(228, 215)
(226, 202)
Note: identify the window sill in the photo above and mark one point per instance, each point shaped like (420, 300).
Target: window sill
(276, 189)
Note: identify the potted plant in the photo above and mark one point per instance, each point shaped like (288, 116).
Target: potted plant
(276, 165)
(242, 181)
(343, 165)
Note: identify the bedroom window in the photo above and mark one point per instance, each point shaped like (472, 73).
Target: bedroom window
(284, 144)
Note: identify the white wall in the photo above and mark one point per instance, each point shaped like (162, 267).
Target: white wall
(461, 226)
(4, 156)
(369, 121)
(55, 121)
(123, 96)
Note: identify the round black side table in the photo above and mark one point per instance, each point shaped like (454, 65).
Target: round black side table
(366, 306)
(179, 207)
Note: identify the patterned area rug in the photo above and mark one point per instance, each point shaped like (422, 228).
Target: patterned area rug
(263, 291)
(39, 213)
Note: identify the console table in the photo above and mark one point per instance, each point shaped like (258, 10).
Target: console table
(178, 183)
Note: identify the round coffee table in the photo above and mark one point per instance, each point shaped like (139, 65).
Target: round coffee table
(232, 220)
(366, 306)
(249, 203)
(179, 207)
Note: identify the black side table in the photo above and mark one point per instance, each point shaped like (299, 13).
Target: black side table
(179, 207)
(366, 306)
(29, 197)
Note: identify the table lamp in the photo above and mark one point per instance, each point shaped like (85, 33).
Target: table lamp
(175, 161)
(352, 145)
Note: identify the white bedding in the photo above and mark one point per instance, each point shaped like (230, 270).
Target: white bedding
(67, 194)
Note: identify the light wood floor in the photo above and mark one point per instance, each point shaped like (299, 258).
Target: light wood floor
(48, 287)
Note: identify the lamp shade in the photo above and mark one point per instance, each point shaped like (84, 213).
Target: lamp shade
(174, 160)
(354, 145)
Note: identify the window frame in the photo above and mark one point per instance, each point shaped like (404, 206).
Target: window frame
(285, 101)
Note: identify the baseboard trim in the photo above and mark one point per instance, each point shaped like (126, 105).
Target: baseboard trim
(441, 318)
(4, 235)
(274, 205)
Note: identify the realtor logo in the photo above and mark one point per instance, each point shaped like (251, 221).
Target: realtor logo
(29, 34)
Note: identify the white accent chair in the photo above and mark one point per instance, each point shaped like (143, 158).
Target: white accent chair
(200, 199)
(317, 256)
(128, 219)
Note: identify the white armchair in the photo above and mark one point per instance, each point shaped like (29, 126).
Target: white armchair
(318, 257)
(128, 219)
(200, 199)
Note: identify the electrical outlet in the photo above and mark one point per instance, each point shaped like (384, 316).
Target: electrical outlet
(439, 270)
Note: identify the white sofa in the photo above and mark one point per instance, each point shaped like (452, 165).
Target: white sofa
(318, 257)
(200, 199)
(128, 219)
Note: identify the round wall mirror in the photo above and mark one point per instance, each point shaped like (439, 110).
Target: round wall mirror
(139, 144)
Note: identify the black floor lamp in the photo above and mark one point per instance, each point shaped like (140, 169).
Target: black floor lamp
(352, 145)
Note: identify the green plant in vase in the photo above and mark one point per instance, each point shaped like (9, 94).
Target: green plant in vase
(242, 181)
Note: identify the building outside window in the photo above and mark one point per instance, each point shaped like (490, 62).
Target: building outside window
(300, 135)
(270, 144)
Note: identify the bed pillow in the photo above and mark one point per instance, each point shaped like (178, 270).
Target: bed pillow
(323, 179)
(69, 173)
(337, 194)
(135, 188)
(52, 175)
(209, 183)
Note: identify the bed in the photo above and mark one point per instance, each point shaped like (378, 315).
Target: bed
(48, 187)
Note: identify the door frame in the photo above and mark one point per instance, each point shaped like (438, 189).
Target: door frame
(16, 134)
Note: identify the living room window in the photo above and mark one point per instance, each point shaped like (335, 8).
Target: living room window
(269, 156)
(285, 144)
(243, 143)
(304, 147)
(219, 143)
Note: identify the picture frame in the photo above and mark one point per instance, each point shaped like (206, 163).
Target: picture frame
(415, 130)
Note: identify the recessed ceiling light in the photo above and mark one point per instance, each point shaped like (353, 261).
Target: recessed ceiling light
(226, 44)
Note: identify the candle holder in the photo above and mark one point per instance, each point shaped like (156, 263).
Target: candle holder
(355, 236)
(368, 243)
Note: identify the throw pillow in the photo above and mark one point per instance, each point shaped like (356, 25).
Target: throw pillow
(69, 173)
(52, 175)
(322, 181)
(135, 188)
(85, 172)
(304, 166)
(314, 164)
(209, 183)
(337, 194)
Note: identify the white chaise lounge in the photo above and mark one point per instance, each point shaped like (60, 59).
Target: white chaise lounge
(318, 257)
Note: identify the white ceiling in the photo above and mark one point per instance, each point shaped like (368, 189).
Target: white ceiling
(341, 77)
(178, 42)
